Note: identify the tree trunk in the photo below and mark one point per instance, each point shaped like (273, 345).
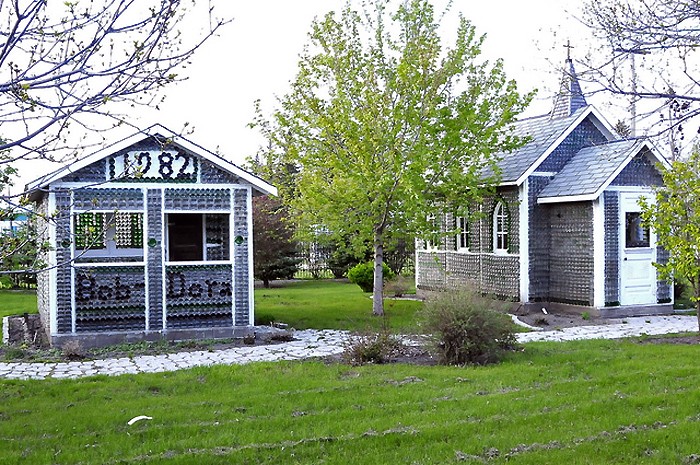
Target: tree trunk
(378, 298)
(266, 283)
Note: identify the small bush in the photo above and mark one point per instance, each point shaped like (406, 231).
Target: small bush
(467, 328)
(378, 348)
(363, 275)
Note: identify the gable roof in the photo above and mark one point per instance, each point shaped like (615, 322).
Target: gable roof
(592, 170)
(545, 135)
(156, 131)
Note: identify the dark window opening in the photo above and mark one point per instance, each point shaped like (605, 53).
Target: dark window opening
(636, 234)
(198, 237)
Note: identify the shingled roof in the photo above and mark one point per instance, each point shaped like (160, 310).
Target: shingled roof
(592, 170)
(543, 133)
(546, 132)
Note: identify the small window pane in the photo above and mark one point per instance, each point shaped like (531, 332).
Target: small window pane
(185, 238)
(463, 236)
(217, 234)
(500, 227)
(89, 231)
(636, 234)
(129, 230)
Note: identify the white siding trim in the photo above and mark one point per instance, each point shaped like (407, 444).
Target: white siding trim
(146, 185)
(144, 242)
(523, 221)
(163, 258)
(232, 252)
(598, 253)
(53, 273)
(251, 283)
(72, 261)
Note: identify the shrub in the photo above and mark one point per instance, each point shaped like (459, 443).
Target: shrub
(363, 275)
(372, 347)
(467, 328)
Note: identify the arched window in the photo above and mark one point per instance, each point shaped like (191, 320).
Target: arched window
(462, 224)
(500, 228)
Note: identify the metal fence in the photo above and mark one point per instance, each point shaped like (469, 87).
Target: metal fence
(313, 262)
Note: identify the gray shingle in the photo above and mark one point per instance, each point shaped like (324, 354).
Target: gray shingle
(543, 131)
(590, 168)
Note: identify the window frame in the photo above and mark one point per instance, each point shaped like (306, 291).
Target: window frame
(500, 231)
(429, 245)
(109, 236)
(206, 247)
(462, 238)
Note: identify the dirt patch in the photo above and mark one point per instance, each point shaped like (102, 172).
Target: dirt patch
(556, 321)
(681, 340)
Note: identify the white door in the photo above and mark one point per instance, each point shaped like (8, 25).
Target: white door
(638, 252)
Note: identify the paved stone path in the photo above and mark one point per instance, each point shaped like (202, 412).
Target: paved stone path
(310, 344)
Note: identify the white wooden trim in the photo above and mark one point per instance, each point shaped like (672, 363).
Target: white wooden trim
(163, 258)
(598, 253)
(523, 222)
(105, 210)
(544, 174)
(144, 245)
(568, 198)
(198, 212)
(494, 228)
(251, 283)
(107, 264)
(232, 253)
(200, 263)
(71, 230)
(631, 189)
(53, 273)
(146, 185)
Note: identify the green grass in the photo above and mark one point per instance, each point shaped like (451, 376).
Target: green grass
(16, 303)
(330, 305)
(588, 402)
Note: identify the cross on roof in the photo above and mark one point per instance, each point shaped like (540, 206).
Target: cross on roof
(568, 48)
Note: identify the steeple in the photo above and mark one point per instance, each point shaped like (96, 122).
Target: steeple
(570, 97)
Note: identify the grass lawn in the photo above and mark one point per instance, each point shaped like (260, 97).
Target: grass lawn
(330, 305)
(585, 402)
(16, 303)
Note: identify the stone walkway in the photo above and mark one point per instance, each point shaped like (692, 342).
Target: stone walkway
(310, 344)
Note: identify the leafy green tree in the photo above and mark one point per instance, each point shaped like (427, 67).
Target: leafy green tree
(674, 216)
(386, 125)
(274, 248)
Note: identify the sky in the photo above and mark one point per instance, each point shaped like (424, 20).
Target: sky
(255, 57)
